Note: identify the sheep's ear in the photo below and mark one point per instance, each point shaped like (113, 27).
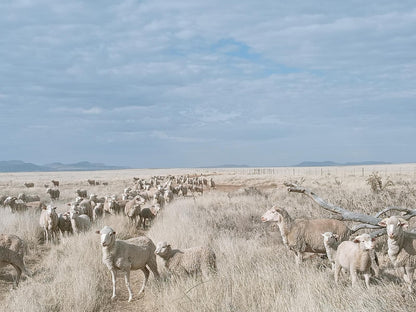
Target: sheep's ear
(356, 240)
(323, 234)
(336, 236)
(97, 232)
(373, 239)
(383, 223)
(403, 223)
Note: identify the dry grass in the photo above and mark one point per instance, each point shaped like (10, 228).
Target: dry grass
(255, 270)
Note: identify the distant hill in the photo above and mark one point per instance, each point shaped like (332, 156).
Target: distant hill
(332, 163)
(20, 166)
(228, 166)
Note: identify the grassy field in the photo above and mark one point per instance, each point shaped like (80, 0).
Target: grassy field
(256, 272)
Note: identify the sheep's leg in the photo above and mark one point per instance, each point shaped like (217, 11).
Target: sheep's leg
(353, 274)
(153, 267)
(146, 277)
(18, 274)
(127, 279)
(367, 279)
(336, 272)
(113, 278)
(408, 277)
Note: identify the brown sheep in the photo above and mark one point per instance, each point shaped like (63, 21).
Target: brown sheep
(302, 235)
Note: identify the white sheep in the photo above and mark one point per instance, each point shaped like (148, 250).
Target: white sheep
(11, 252)
(331, 243)
(401, 247)
(355, 256)
(80, 222)
(126, 255)
(302, 235)
(191, 261)
(98, 211)
(49, 222)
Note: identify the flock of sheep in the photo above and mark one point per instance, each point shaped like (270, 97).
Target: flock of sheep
(145, 198)
(140, 203)
(331, 237)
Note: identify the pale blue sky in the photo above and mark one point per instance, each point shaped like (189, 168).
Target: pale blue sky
(201, 83)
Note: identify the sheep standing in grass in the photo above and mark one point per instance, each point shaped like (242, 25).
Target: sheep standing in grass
(132, 209)
(147, 213)
(98, 211)
(127, 255)
(80, 222)
(401, 247)
(191, 261)
(11, 252)
(355, 256)
(301, 235)
(331, 243)
(64, 223)
(49, 222)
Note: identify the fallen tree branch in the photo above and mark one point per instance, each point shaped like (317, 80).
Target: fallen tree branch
(346, 214)
(408, 213)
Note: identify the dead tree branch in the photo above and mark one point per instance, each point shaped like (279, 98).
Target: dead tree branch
(408, 213)
(346, 215)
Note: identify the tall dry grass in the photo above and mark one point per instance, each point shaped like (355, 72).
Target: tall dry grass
(256, 272)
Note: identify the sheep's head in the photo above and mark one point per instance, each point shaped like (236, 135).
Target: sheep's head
(107, 236)
(272, 215)
(394, 225)
(330, 238)
(365, 240)
(162, 249)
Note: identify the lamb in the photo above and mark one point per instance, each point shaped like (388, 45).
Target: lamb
(15, 204)
(9, 256)
(53, 193)
(29, 184)
(49, 222)
(125, 255)
(191, 261)
(80, 222)
(55, 182)
(64, 223)
(148, 213)
(331, 242)
(401, 247)
(28, 198)
(355, 256)
(82, 193)
(98, 211)
(133, 208)
(85, 207)
(301, 235)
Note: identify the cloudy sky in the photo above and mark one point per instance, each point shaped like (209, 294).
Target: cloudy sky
(186, 83)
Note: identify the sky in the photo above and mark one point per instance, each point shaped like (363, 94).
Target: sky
(194, 83)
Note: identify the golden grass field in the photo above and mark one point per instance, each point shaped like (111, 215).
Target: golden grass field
(256, 272)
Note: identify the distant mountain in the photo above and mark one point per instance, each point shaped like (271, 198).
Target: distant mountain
(228, 166)
(332, 163)
(20, 166)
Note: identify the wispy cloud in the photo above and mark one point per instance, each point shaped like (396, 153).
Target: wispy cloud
(191, 76)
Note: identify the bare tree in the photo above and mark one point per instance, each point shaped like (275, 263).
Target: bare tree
(370, 222)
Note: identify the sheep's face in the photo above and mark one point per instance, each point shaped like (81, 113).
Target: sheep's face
(330, 238)
(162, 249)
(365, 241)
(271, 215)
(107, 236)
(393, 225)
